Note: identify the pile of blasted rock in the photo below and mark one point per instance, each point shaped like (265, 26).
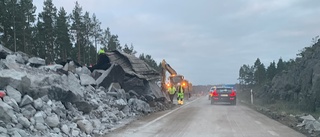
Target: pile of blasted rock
(310, 123)
(39, 101)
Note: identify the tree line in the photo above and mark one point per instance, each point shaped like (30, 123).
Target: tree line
(54, 34)
(258, 74)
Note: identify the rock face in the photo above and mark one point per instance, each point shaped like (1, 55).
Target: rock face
(299, 83)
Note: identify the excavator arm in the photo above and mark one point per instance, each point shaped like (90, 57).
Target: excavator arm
(167, 67)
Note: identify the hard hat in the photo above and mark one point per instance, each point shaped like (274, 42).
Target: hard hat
(179, 84)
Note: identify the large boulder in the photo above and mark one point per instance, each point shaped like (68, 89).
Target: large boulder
(85, 126)
(86, 80)
(56, 92)
(11, 102)
(83, 70)
(10, 63)
(136, 84)
(13, 93)
(6, 112)
(114, 74)
(38, 103)
(53, 67)
(11, 77)
(97, 73)
(39, 117)
(22, 57)
(53, 120)
(26, 100)
(120, 104)
(36, 61)
(4, 52)
(28, 111)
(74, 85)
(69, 90)
(84, 106)
(139, 105)
(114, 87)
(24, 121)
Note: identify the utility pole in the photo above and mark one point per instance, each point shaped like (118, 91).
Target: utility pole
(251, 97)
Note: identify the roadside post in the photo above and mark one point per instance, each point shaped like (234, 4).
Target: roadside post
(251, 97)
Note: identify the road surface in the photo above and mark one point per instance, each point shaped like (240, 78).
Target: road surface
(198, 118)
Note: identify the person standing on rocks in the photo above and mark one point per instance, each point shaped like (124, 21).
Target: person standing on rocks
(101, 51)
(171, 91)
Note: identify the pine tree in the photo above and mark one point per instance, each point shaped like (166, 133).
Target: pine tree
(47, 23)
(63, 43)
(280, 66)
(271, 70)
(260, 72)
(76, 28)
(96, 34)
(106, 36)
(128, 50)
(8, 20)
(246, 75)
(87, 30)
(114, 43)
(150, 61)
(25, 17)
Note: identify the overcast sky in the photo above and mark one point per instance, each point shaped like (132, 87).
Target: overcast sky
(208, 41)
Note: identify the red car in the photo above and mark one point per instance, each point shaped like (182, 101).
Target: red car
(224, 94)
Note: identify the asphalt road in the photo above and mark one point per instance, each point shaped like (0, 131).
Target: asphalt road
(200, 118)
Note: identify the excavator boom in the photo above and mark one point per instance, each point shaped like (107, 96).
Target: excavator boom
(167, 67)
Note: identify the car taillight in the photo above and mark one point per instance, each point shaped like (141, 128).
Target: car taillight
(215, 93)
(233, 94)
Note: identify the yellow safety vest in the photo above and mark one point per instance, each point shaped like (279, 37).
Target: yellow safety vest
(101, 51)
(180, 95)
(172, 90)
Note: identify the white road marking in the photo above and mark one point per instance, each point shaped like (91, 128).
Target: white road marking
(155, 120)
(273, 133)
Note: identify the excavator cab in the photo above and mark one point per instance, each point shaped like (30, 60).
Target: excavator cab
(175, 79)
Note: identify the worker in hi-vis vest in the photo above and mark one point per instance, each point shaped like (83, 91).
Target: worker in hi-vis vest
(180, 95)
(171, 91)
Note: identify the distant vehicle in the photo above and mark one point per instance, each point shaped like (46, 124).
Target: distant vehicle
(224, 94)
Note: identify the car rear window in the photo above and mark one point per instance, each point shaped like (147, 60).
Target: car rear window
(223, 90)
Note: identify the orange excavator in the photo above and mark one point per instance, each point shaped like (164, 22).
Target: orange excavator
(174, 79)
